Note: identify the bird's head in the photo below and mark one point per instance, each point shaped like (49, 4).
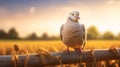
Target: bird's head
(74, 16)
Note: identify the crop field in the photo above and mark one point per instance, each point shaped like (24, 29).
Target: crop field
(6, 46)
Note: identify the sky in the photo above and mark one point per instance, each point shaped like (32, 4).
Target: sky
(40, 16)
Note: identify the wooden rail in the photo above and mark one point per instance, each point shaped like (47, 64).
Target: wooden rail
(43, 58)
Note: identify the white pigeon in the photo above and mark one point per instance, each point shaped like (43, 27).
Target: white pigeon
(73, 33)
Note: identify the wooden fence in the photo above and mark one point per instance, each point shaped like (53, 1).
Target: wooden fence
(43, 58)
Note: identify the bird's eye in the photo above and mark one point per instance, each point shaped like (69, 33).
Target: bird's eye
(73, 14)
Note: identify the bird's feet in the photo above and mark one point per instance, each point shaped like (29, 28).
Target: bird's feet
(79, 50)
(67, 51)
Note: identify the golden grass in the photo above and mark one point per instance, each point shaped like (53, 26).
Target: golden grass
(52, 46)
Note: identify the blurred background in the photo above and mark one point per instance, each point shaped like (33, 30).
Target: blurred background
(41, 19)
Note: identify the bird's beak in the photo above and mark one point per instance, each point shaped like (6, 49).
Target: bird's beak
(78, 17)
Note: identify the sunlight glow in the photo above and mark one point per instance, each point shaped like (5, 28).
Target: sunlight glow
(50, 18)
(32, 9)
(110, 2)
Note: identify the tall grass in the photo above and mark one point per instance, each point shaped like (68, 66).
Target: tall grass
(52, 46)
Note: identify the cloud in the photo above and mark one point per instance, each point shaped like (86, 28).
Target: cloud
(110, 2)
(32, 9)
(67, 9)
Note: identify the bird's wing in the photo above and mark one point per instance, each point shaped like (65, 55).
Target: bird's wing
(61, 29)
(84, 34)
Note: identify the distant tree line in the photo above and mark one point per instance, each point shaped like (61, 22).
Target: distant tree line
(44, 36)
(92, 34)
(12, 34)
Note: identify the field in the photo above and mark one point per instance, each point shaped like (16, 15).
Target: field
(6, 47)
